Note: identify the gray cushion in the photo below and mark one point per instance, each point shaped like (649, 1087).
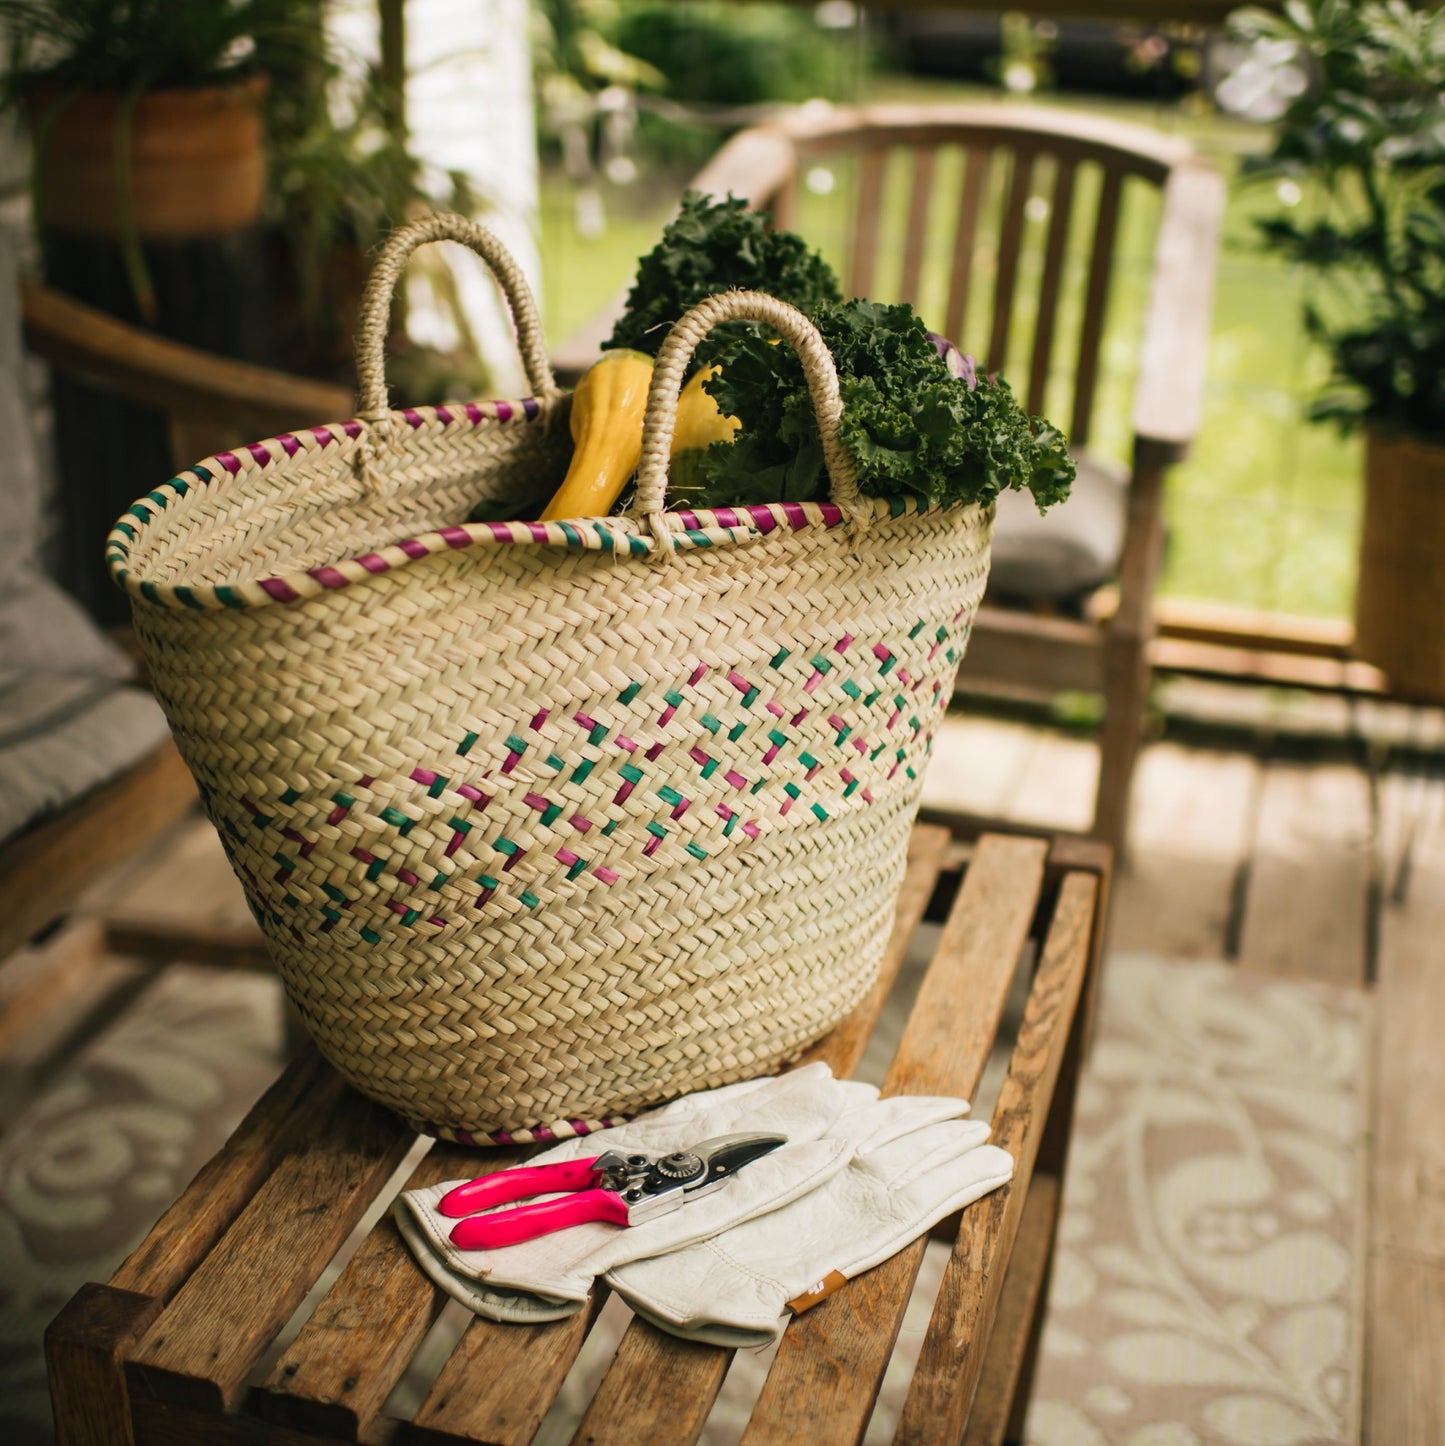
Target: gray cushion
(1069, 550)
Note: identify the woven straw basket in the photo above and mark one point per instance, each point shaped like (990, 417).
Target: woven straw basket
(545, 823)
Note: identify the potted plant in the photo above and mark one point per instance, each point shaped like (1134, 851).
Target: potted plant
(146, 116)
(1368, 126)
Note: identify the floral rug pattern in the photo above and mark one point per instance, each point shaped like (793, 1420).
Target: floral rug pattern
(108, 1143)
(1208, 1283)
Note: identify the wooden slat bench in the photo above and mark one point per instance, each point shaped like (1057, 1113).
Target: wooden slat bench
(181, 1345)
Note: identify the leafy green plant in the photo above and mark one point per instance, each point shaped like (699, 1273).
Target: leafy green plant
(1370, 125)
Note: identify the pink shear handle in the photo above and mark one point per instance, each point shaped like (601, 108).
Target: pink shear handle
(508, 1185)
(511, 1227)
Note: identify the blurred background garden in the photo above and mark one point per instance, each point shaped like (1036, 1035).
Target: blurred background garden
(1264, 514)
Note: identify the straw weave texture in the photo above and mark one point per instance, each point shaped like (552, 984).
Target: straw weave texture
(546, 823)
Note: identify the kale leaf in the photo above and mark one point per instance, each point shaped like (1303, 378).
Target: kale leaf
(714, 246)
(909, 423)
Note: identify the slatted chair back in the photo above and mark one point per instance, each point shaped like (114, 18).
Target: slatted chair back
(1075, 254)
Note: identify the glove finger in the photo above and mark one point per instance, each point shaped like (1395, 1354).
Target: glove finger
(879, 1123)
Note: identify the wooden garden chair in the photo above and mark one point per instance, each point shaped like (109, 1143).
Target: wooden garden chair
(1023, 234)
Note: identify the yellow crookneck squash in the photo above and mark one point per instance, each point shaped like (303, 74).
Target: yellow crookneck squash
(607, 411)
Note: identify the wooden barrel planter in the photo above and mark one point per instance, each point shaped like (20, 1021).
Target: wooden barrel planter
(1400, 599)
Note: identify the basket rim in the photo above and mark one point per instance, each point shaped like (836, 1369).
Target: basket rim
(623, 536)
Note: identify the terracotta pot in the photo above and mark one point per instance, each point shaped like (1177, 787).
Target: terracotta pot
(1400, 599)
(197, 162)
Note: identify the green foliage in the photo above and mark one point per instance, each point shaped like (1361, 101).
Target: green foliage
(1371, 127)
(131, 46)
(714, 246)
(726, 55)
(908, 422)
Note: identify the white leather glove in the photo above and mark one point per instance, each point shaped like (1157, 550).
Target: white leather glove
(550, 1276)
(737, 1288)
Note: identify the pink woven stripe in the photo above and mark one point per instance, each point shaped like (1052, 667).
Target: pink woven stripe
(501, 531)
(413, 548)
(832, 514)
(262, 456)
(538, 531)
(795, 514)
(688, 519)
(413, 417)
(230, 461)
(329, 576)
(373, 562)
(289, 444)
(279, 589)
(351, 428)
(322, 435)
(763, 518)
(444, 416)
(455, 536)
(474, 413)
(504, 411)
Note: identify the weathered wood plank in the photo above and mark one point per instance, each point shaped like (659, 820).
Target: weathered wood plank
(1023, 1288)
(1306, 908)
(1409, 1195)
(658, 1389)
(843, 1048)
(834, 1356)
(179, 1240)
(235, 1301)
(1406, 1400)
(952, 1356)
(499, 1382)
(336, 1375)
(1190, 835)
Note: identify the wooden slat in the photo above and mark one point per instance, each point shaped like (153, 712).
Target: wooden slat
(843, 1048)
(1306, 908)
(229, 1310)
(952, 1356)
(1023, 1289)
(698, 1374)
(975, 185)
(1284, 669)
(1010, 236)
(869, 210)
(916, 237)
(180, 1239)
(1043, 346)
(1046, 654)
(1096, 301)
(834, 1356)
(43, 869)
(337, 1373)
(659, 1389)
(1174, 349)
(1409, 1175)
(1406, 1402)
(171, 940)
(499, 1382)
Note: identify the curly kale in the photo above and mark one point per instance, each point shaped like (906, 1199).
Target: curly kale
(714, 246)
(910, 424)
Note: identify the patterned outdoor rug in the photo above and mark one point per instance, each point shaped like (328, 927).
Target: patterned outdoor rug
(1208, 1286)
(108, 1143)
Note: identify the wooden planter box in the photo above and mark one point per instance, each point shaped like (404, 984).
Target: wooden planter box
(1400, 600)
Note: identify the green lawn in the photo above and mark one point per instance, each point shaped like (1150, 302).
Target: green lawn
(1263, 514)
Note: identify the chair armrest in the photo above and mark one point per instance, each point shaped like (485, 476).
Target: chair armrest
(176, 379)
(754, 165)
(1173, 357)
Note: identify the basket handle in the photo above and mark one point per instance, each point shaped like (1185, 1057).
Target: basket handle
(371, 326)
(660, 419)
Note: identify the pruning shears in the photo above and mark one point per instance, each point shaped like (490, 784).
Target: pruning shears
(623, 1189)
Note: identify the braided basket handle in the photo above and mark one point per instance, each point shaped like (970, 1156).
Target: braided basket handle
(376, 301)
(660, 418)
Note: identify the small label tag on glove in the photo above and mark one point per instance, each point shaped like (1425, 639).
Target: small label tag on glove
(819, 1291)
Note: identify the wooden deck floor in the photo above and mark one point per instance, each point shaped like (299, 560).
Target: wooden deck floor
(1297, 839)
(1306, 839)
